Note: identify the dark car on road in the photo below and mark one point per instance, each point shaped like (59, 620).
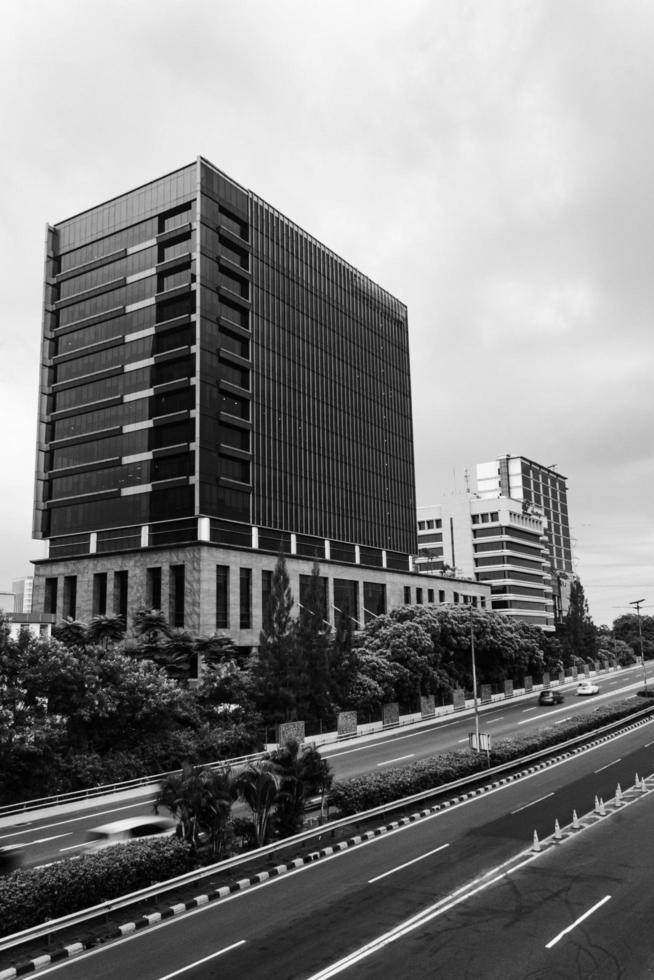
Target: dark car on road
(550, 697)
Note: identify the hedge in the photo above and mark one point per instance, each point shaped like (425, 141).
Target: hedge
(370, 790)
(29, 896)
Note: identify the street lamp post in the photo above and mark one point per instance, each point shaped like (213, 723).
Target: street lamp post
(638, 603)
(474, 679)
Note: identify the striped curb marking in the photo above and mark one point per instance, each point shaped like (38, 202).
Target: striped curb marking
(66, 952)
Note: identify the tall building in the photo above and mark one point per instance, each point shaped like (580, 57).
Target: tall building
(217, 387)
(542, 490)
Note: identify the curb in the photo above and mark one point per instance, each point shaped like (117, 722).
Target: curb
(74, 949)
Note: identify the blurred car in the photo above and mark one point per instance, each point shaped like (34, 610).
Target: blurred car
(132, 828)
(11, 857)
(587, 687)
(550, 697)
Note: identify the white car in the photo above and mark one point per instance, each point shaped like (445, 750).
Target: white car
(132, 828)
(587, 687)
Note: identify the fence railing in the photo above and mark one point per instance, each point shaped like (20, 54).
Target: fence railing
(159, 889)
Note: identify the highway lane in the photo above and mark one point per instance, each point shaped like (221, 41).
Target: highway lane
(580, 910)
(300, 924)
(58, 834)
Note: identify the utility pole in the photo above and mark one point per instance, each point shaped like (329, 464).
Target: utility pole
(638, 603)
(474, 678)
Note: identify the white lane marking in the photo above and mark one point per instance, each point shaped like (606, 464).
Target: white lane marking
(581, 918)
(220, 952)
(85, 816)
(44, 840)
(466, 739)
(72, 847)
(647, 745)
(389, 762)
(602, 768)
(410, 925)
(533, 708)
(533, 802)
(491, 720)
(407, 863)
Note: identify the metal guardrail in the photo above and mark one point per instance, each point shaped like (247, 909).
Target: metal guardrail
(75, 796)
(155, 891)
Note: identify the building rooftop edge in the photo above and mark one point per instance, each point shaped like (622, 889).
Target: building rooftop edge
(245, 190)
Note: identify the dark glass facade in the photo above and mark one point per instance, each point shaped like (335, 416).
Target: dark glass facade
(204, 357)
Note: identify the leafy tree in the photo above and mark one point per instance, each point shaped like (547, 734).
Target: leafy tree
(312, 655)
(343, 660)
(577, 631)
(274, 669)
(625, 628)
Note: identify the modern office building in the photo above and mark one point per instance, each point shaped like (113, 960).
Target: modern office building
(494, 542)
(217, 387)
(542, 490)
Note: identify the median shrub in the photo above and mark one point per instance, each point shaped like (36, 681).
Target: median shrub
(29, 896)
(374, 789)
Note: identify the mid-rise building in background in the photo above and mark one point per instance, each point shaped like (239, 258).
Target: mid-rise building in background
(217, 388)
(542, 491)
(22, 589)
(511, 533)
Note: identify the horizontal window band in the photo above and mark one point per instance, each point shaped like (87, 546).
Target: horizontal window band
(89, 349)
(89, 321)
(173, 293)
(82, 379)
(226, 450)
(172, 233)
(66, 413)
(176, 321)
(234, 297)
(232, 236)
(100, 464)
(236, 328)
(177, 262)
(178, 449)
(172, 355)
(233, 389)
(173, 385)
(173, 417)
(105, 287)
(231, 266)
(225, 481)
(92, 264)
(228, 355)
(235, 421)
(83, 498)
(114, 430)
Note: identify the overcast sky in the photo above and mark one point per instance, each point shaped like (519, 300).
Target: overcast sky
(490, 163)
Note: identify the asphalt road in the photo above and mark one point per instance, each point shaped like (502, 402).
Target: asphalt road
(302, 924)
(63, 832)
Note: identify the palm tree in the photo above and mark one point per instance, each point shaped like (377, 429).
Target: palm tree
(106, 630)
(258, 784)
(151, 625)
(201, 801)
(71, 633)
(303, 773)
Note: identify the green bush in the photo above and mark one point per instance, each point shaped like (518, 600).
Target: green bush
(29, 896)
(369, 790)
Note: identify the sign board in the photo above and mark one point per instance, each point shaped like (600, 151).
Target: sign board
(484, 741)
